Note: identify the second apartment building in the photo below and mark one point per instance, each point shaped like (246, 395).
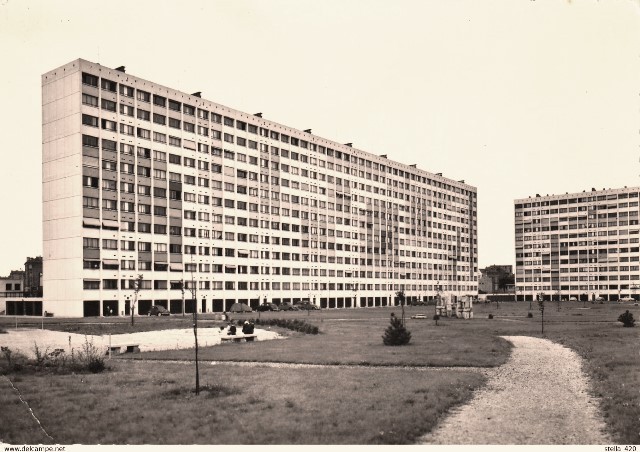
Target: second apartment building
(578, 245)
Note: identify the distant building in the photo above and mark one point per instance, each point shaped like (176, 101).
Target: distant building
(496, 278)
(11, 286)
(33, 277)
(579, 245)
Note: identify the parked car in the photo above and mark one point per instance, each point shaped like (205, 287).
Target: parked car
(308, 307)
(573, 299)
(288, 307)
(626, 300)
(158, 310)
(600, 300)
(268, 307)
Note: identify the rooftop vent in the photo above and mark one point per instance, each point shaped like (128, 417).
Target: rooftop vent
(349, 144)
(307, 130)
(197, 94)
(439, 174)
(413, 165)
(120, 69)
(537, 195)
(259, 115)
(461, 181)
(384, 156)
(593, 189)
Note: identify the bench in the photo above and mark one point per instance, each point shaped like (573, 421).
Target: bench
(117, 349)
(238, 338)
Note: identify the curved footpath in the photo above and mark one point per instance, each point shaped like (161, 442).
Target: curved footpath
(540, 396)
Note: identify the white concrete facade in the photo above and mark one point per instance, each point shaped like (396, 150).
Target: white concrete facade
(141, 179)
(578, 245)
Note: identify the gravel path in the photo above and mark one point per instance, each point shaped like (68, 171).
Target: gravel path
(540, 396)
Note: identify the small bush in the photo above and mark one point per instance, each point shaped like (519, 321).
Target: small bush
(490, 316)
(396, 333)
(88, 359)
(530, 315)
(295, 325)
(627, 319)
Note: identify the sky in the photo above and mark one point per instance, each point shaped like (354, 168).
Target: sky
(516, 97)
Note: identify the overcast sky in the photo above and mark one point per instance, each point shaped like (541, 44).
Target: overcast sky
(516, 97)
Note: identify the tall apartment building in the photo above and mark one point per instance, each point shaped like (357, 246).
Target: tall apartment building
(141, 179)
(582, 245)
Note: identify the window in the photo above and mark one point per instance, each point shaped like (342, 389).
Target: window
(145, 247)
(126, 91)
(109, 204)
(109, 244)
(108, 85)
(159, 100)
(144, 190)
(108, 105)
(89, 120)
(109, 165)
(159, 174)
(88, 79)
(159, 119)
(109, 145)
(159, 156)
(144, 115)
(189, 110)
(90, 100)
(143, 96)
(142, 133)
(174, 141)
(159, 137)
(89, 202)
(126, 110)
(90, 243)
(126, 129)
(173, 105)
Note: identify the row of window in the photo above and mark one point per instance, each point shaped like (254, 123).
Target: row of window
(161, 101)
(143, 152)
(112, 284)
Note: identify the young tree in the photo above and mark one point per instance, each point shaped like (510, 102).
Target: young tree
(541, 307)
(137, 285)
(396, 333)
(194, 295)
(627, 319)
(401, 298)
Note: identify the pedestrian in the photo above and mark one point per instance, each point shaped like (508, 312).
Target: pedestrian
(232, 330)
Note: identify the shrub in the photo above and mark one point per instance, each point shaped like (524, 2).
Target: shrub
(530, 315)
(295, 325)
(87, 359)
(627, 319)
(396, 333)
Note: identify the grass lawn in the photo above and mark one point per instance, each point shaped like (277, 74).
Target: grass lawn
(152, 403)
(366, 400)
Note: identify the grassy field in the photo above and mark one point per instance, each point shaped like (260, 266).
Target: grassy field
(281, 406)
